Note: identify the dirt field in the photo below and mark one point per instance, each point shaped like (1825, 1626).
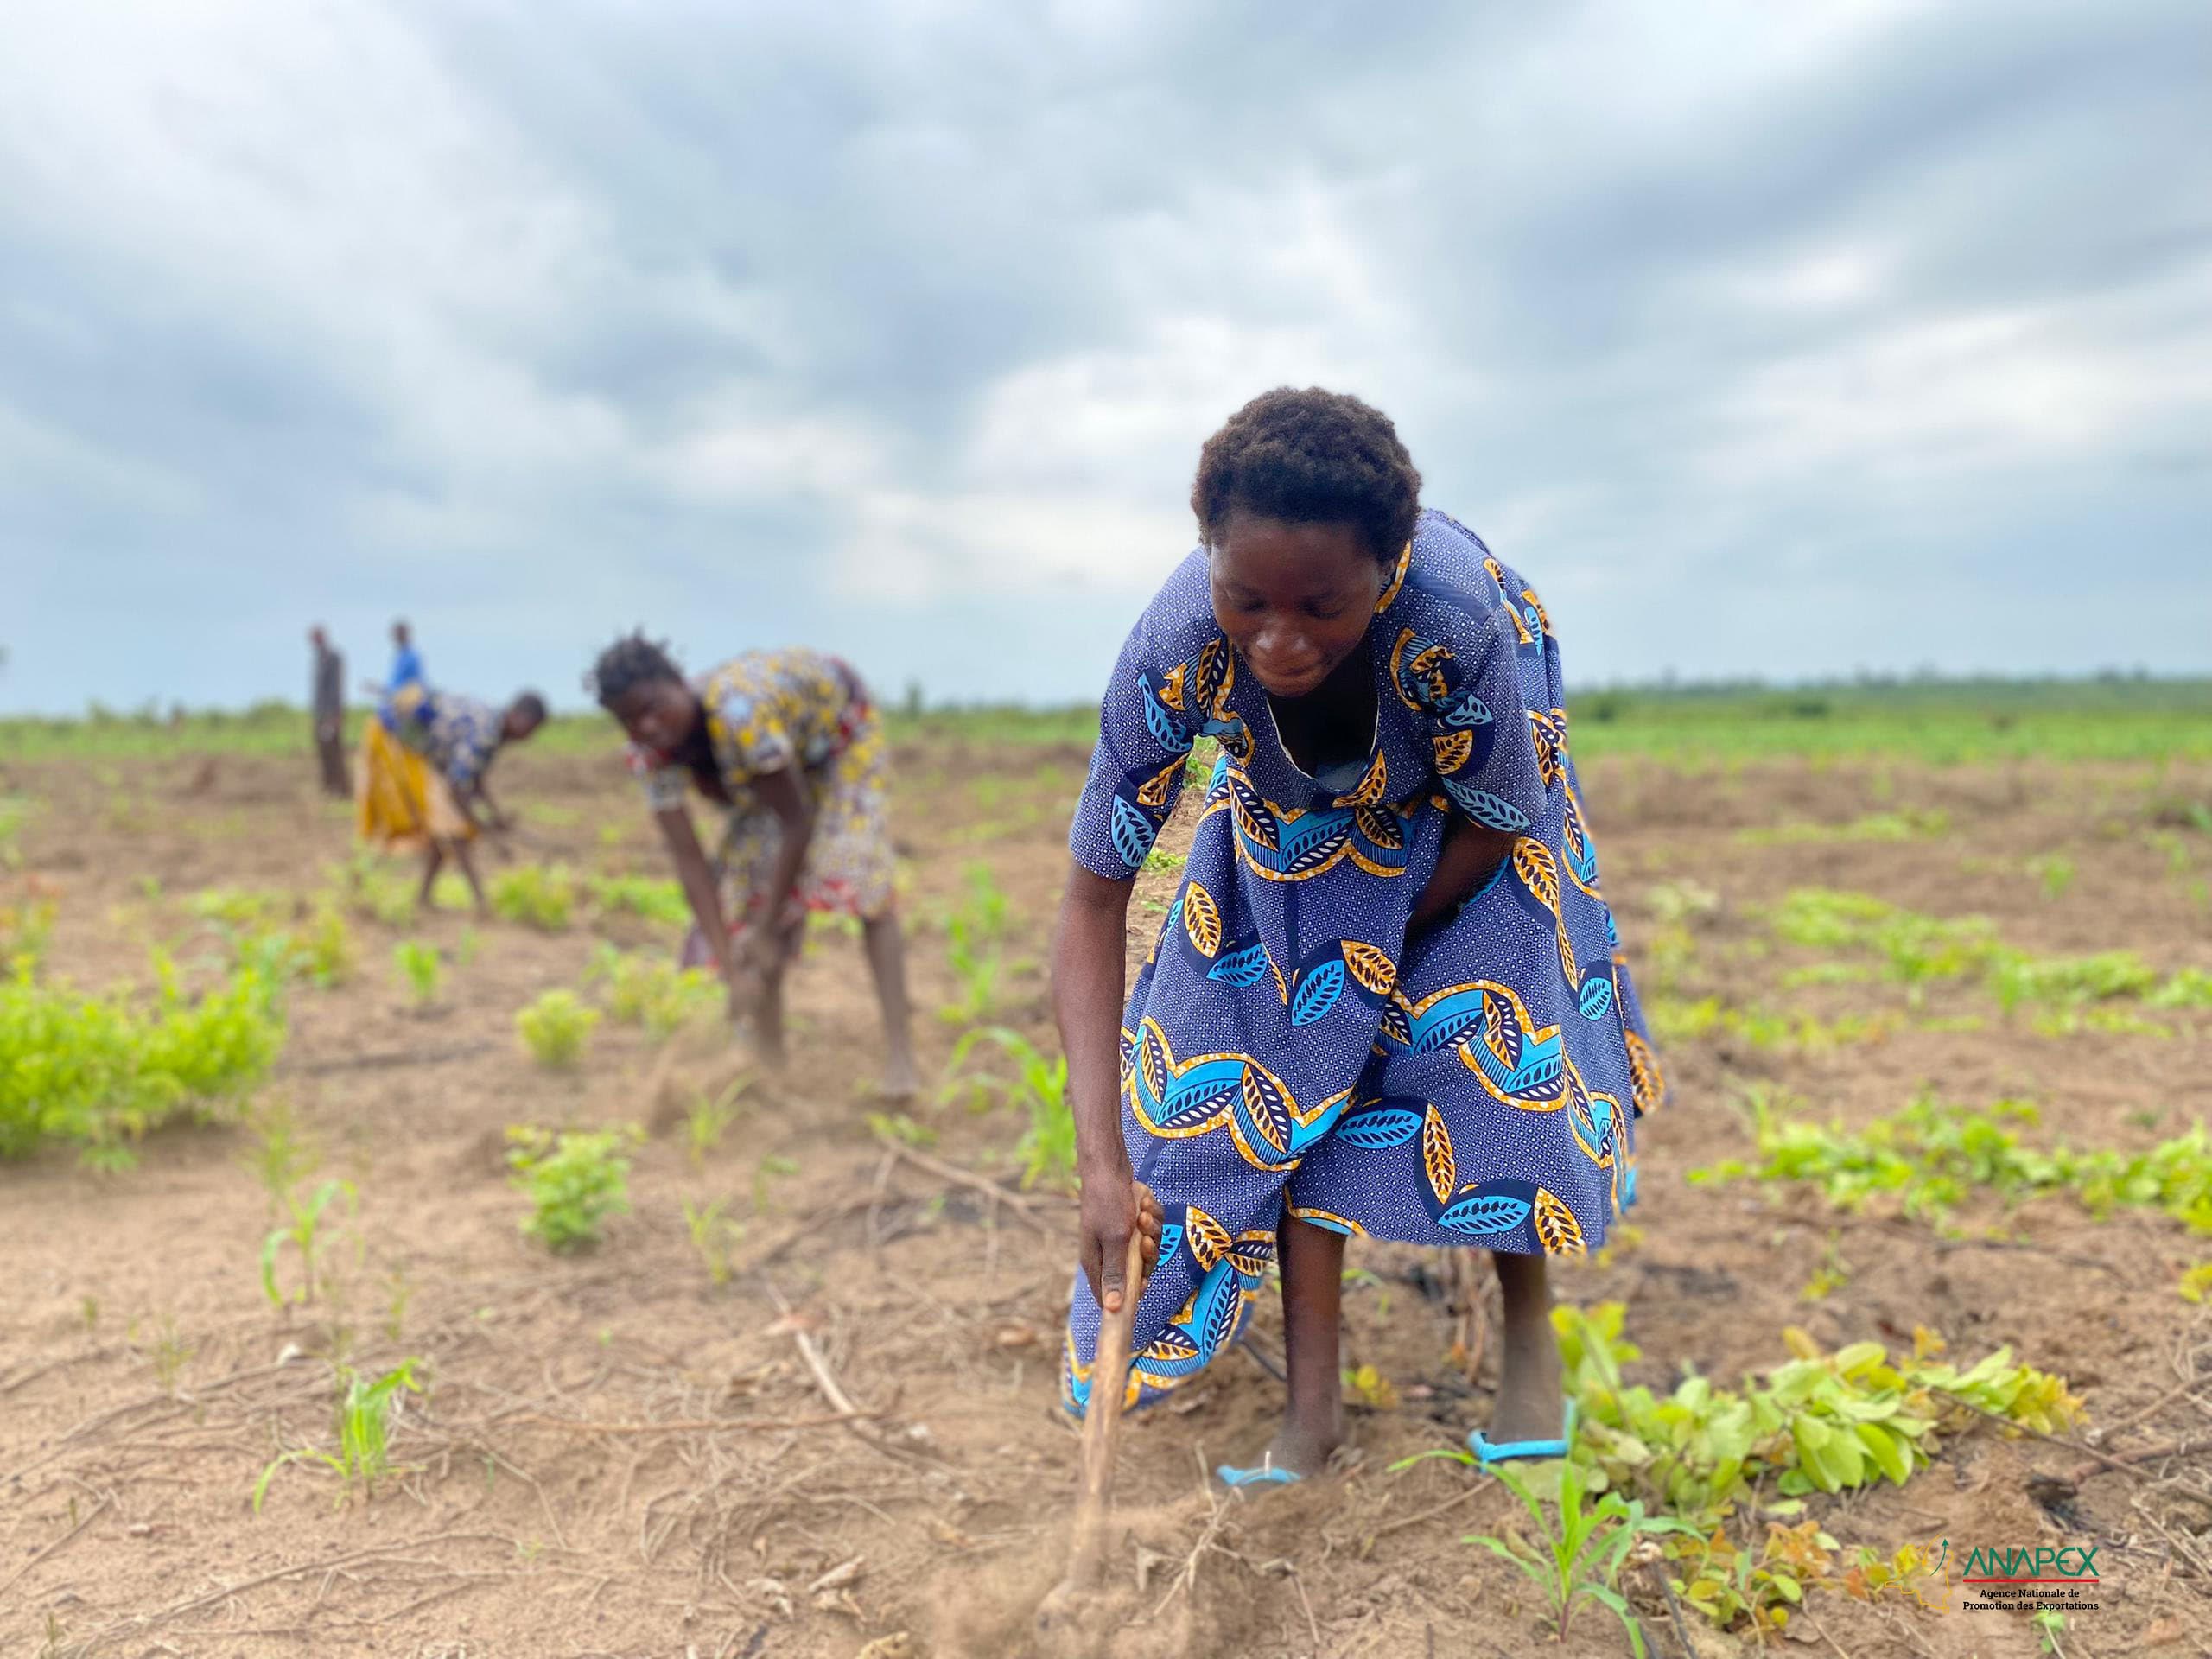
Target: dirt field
(616, 1457)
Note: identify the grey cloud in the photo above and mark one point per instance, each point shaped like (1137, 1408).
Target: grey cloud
(1767, 339)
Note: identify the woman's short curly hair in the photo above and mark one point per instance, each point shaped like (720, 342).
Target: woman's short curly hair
(1307, 458)
(630, 662)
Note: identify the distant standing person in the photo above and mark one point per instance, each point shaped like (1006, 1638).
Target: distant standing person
(327, 699)
(426, 762)
(406, 661)
(787, 744)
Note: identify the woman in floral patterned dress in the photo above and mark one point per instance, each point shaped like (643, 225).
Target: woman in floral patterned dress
(787, 745)
(426, 768)
(1388, 999)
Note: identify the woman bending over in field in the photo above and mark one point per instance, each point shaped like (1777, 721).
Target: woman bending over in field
(1388, 999)
(426, 765)
(787, 744)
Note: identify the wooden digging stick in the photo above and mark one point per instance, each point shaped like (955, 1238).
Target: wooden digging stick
(1102, 1419)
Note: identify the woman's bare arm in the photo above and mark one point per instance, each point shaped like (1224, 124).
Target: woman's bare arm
(698, 882)
(1089, 983)
(780, 792)
(1471, 852)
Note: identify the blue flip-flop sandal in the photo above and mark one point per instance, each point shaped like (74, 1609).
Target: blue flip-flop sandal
(1261, 1474)
(1490, 1454)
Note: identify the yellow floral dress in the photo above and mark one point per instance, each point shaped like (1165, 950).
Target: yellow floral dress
(803, 711)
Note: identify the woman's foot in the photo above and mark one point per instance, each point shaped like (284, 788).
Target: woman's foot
(900, 1081)
(1299, 1449)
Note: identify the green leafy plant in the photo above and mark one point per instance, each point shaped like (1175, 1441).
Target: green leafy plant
(367, 887)
(101, 1071)
(1824, 1422)
(1895, 826)
(535, 895)
(367, 1414)
(574, 1181)
(303, 1231)
(422, 967)
(2188, 988)
(1725, 1582)
(1931, 1156)
(1578, 1549)
(326, 949)
(1039, 1087)
(656, 900)
(657, 995)
(15, 811)
(556, 1029)
(26, 926)
(238, 906)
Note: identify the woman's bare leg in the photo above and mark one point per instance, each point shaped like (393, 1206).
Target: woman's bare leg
(433, 861)
(1529, 1406)
(886, 961)
(768, 1022)
(466, 859)
(1312, 1263)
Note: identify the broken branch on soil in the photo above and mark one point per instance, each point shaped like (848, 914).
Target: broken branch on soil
(59, 1544)
(692, 1425)
(1019, 1203)
(143, 1622)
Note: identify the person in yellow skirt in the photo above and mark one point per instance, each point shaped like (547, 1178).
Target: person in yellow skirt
(426, 761)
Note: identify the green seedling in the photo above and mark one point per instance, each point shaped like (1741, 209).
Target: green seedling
(574, 1180)
(715, 1235)
(467, 948)
(2054, 873)
(1039, 1087)
(367, 1414)
(281, 1157)
(170, 1354)
(304, 1233)
(399, 1293)
(422, 967)
(535, 895)
(973, 932)
(1578, 1550)
(900, 1129)
(770, 1167)
(556, 1029)
(709, 1119)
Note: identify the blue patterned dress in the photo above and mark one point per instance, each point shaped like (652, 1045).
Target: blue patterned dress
(457, 735)
(1284, 1047)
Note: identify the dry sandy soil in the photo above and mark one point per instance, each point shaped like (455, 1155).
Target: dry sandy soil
(616, 1457)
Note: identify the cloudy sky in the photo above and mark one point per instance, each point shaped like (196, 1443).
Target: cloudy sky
(1767, 339)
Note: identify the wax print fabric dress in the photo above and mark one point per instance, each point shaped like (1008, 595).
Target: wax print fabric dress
(424, 750)
(1284, 1047)
(800, 711)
